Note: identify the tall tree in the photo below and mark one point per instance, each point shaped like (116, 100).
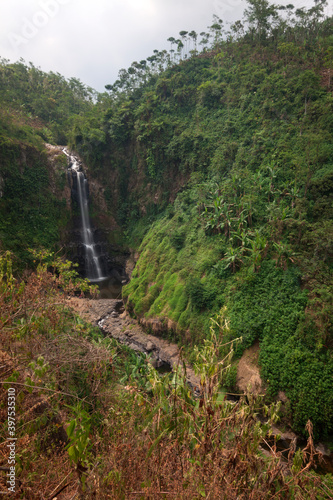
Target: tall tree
(194, 36)
(184, 34)
(260, 15)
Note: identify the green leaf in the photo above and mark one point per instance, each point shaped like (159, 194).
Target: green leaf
(202, 490)
(70, 429)
(73, 454)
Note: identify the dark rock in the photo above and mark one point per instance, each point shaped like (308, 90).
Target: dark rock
(150, 346)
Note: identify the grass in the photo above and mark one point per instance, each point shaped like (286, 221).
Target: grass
(95, 420)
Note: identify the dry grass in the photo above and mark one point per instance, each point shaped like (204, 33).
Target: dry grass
(160, 443)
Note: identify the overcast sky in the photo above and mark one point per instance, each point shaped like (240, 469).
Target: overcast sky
(93, 39)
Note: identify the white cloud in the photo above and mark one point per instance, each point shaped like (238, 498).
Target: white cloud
(93, 39)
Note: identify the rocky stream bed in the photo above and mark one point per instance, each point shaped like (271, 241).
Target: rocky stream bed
(112, 319)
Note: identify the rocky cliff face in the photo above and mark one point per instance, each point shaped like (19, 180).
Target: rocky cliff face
(113, 258)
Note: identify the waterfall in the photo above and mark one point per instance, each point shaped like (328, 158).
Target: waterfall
(92, 259)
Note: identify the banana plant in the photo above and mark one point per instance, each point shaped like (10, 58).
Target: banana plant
(233, 258)
(284, 254)
(258, 247)
(241, 238)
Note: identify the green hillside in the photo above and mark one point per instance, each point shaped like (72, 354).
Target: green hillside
(218, 164)
(243, 132)
(215, 162)
(35, 108)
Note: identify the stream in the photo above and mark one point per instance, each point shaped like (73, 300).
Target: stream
(110, 316)
(108, 313)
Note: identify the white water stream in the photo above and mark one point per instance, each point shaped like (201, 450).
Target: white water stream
(92, 259)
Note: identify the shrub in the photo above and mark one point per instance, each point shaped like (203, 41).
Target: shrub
(201, 295)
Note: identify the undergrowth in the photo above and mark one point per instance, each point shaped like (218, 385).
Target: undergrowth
(93, 421)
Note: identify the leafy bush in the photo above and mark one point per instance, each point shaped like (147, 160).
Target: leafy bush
(201, 295)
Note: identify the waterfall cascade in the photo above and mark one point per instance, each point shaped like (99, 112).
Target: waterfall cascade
(92, 259)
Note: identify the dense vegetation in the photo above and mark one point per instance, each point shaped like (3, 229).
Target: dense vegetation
(36, 107)
(249, 125)
(95, 421)
(45, 101)
(217, 167)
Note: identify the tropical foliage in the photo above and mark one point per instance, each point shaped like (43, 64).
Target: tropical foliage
(216, 160)
(85, 429)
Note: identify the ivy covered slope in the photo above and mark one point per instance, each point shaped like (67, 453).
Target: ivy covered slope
(247, 126)
(35, 108)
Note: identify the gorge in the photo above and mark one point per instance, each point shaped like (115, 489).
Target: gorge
(208, 218)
